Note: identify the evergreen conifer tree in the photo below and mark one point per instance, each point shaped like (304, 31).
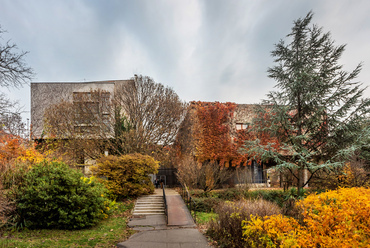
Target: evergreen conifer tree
(317, 111)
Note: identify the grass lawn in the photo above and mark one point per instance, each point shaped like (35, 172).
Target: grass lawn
(203, 218)
(107, 233)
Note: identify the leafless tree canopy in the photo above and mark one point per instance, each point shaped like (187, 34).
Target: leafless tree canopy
(10, 116)
(13, 70)
(142, 117)
(154, 112)
(89, 115)
(82, 126)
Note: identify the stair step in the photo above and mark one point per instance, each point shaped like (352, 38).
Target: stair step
(149, 205)
(147, 211)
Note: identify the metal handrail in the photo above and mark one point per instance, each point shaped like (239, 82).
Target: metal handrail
(189, 201)
(165, 205)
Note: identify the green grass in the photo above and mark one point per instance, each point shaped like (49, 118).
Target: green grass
(203, 217)
(107, 233)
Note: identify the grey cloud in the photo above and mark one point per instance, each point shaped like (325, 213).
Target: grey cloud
(206, 50)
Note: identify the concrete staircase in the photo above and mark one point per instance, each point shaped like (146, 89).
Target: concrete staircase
(149, 205)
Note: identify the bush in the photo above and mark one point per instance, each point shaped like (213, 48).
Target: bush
(7, 207)
(56, 196)
(206, 204)
(11, 178)
(231, 194)
(276, 196)
(339, 218)
(270, 231)
(227, 228)
(128, 175)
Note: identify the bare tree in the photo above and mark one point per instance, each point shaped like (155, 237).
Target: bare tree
(10, 116)
(82, 128)
(13, 73)
(13, 70)
(143, 117)
(154, 114)
(206, 176)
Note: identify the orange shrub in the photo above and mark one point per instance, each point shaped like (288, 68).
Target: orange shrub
(338, 218)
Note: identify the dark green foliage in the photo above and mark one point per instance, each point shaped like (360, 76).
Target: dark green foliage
(206, 204)
(231, 194)
(56, 196)
(224, 194)
(318, 112)
(276, 196)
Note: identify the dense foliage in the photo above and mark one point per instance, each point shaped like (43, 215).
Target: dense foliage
(52, 195)
(214, 140)
(338, 218)
(318, 112)
(127, 175)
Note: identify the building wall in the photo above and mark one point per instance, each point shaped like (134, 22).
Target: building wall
(43, 95)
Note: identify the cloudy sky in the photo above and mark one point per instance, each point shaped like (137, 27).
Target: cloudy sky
(215, 50)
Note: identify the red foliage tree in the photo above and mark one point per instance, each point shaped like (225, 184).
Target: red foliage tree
(213, 136)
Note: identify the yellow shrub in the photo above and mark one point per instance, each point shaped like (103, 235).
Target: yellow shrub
(338, 218)
(127, 175)
(271, 231)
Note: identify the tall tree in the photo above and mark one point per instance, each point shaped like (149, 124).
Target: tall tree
(13, 70)
(13, 73)
(318, 109)
(142, 117)
(154, 114)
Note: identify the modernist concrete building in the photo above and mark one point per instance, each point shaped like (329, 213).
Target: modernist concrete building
(44, 95)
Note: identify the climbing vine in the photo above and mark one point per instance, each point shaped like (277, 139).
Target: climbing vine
(213, 139)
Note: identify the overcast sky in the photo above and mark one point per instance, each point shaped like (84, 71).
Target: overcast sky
(205, 50)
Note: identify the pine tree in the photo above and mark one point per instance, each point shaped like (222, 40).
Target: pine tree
(318, 110)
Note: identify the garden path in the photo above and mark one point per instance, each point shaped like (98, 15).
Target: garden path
(180, 232)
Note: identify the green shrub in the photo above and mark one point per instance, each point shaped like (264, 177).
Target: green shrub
(279, 197)
(127, 175)
(231, 194)
(55, 196)
(206, 204)
(227, 230)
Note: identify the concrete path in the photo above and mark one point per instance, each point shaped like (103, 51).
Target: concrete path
(180, 232)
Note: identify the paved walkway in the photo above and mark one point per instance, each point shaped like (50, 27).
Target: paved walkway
(180, 232)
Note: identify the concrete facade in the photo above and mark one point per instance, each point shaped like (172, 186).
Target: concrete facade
(44, 95)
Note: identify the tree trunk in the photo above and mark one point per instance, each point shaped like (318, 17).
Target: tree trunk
(300, 179)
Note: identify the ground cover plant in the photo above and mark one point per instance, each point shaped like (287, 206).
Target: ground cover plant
(107, 233)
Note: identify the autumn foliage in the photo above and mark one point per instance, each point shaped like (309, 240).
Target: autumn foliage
(338, 218)
(127, 175)
(16, 149)
(216, 140)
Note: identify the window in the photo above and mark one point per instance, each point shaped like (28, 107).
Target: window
(242, 126)
(91, 111)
